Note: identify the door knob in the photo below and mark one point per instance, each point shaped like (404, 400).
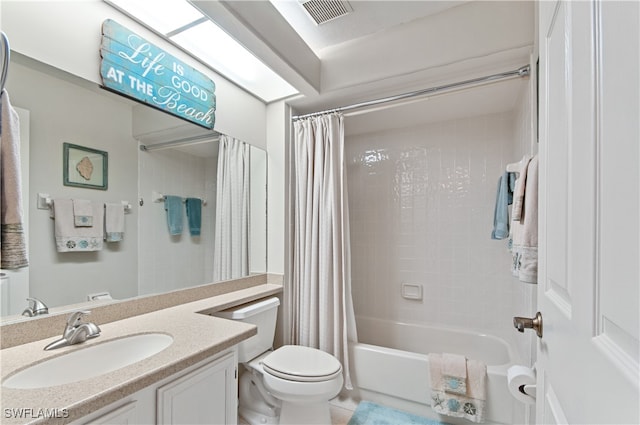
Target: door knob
(535, 323)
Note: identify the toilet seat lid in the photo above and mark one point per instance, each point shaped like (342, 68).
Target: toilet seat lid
(303, 364)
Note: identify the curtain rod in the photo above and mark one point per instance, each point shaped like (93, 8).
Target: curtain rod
(203, 138)
(520, 72)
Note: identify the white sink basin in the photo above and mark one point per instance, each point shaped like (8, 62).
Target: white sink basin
(85, 363)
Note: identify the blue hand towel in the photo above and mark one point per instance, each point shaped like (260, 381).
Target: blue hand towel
(194, 215)
(504, 197)
(173, 207)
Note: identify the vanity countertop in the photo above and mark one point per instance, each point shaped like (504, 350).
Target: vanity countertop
(196, 336)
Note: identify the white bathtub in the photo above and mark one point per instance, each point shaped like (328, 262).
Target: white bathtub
(389, 365)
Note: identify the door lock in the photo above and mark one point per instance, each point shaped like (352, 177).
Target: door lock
(535, 323)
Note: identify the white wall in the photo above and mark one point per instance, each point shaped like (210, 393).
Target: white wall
(421, 205)
(277, 133)
(64, 112)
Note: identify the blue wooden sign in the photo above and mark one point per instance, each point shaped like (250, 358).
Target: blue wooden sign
(137, 69)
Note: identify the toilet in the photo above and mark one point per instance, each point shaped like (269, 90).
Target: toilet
(290, 385)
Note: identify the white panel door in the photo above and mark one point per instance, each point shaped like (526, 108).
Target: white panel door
(588, 289)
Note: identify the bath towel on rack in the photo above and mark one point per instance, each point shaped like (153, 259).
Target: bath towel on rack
(518, 192)
(525, 231)
(173, 207)
(13, 248)
(504, 198)
(194, 215)
(70, 238)
(470, 405)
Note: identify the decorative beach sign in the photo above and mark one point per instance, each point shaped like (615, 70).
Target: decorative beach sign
(137, 69)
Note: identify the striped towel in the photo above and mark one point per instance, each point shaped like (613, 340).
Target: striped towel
(13, 248)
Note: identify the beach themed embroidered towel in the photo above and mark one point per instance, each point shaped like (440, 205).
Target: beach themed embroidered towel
(470, 405)
(70, 238)
(82, 213)
(454, 373)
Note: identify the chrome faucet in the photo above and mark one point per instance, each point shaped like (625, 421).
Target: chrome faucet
(76, 331)
(36, 308)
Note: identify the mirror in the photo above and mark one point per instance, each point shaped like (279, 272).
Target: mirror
(62, 108)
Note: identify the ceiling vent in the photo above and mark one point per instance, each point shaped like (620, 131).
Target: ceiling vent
(322, 11)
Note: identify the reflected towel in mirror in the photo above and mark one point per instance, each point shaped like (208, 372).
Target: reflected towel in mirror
(194, 215)
(114, 222)
(70, 238)
(13, 249)
(173, 207)
(82, 213)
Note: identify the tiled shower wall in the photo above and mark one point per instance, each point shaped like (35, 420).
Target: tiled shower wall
(421, 205)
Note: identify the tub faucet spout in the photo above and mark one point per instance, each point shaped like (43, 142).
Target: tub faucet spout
(76, 331)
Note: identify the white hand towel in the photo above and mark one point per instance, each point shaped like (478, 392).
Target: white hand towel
(435, 371)
(454, 373)
(114, 222)
(82, 213)
(13, 248)
(70, 238)
(525, 231)
(476, 379)
(518, 192)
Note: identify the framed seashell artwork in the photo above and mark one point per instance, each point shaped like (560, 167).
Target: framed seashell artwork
(85, 167)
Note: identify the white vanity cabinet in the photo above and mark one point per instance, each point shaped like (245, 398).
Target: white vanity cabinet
(126, 414)
(205, 393)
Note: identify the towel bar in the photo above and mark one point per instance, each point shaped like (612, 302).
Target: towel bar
(159, 197)
(45, 202)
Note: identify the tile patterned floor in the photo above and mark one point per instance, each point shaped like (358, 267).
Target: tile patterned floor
(339, 416)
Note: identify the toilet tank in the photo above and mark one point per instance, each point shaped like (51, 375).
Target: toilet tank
(262, 313)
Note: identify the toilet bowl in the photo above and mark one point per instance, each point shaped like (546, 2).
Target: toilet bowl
(290, 385)
(305, 379)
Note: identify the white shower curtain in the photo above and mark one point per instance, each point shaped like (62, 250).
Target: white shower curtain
(320, 308)
(231, 240)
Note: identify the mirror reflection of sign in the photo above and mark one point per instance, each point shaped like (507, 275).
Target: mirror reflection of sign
(138, 69)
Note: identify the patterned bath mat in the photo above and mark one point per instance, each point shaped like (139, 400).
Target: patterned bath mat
(368, 413)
